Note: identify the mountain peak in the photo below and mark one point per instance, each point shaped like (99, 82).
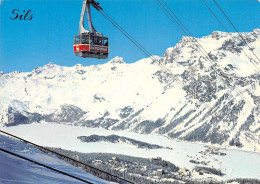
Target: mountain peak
(256, 31)
(50, 65)
(78, 65)
(15, 72)
(117, 60)
(49, 68)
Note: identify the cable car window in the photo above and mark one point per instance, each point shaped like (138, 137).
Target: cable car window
(91, 40)
(76, 40)
(105, 41)
(96, 40)
(84, 39)
(87, 39)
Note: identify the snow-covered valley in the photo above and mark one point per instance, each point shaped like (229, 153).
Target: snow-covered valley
(235, 164)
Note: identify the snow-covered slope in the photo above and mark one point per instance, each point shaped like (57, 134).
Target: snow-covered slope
(204, 103)
(235, 164)
(16, 170)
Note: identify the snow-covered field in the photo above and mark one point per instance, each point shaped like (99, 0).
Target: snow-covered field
(236, 164)
(14, 170)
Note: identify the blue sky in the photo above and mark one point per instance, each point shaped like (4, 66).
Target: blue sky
(48, 37)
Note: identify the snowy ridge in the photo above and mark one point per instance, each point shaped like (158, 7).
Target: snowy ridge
(142, 97)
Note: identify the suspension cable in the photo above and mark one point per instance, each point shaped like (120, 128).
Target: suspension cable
(219, 71)
(192, 41)
(64, 156)
(145, 51)
(46, 166)
(236, 29)
(237, 90)
(234, 40)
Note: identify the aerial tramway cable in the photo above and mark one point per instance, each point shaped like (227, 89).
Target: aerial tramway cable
(167, 12)
(201, 49)
(162, 66)
(234, 40)
(199, 46)
(64, 156)
(236, 29)
(46, 166)
(145, 51)
(253, 61)
(149, 55)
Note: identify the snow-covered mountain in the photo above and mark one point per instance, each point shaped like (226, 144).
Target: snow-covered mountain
(213, 100)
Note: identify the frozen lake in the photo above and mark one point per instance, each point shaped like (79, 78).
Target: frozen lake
(235, 164)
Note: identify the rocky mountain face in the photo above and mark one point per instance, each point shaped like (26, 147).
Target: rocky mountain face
(213, 99)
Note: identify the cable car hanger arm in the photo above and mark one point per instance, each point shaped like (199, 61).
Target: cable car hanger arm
(86, 8)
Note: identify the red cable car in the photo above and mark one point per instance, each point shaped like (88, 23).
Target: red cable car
(90, 44)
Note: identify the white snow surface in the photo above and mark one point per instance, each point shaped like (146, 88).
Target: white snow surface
(17, 171)
(236, 164)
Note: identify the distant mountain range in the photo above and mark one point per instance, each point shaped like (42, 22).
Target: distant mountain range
(214, 100)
